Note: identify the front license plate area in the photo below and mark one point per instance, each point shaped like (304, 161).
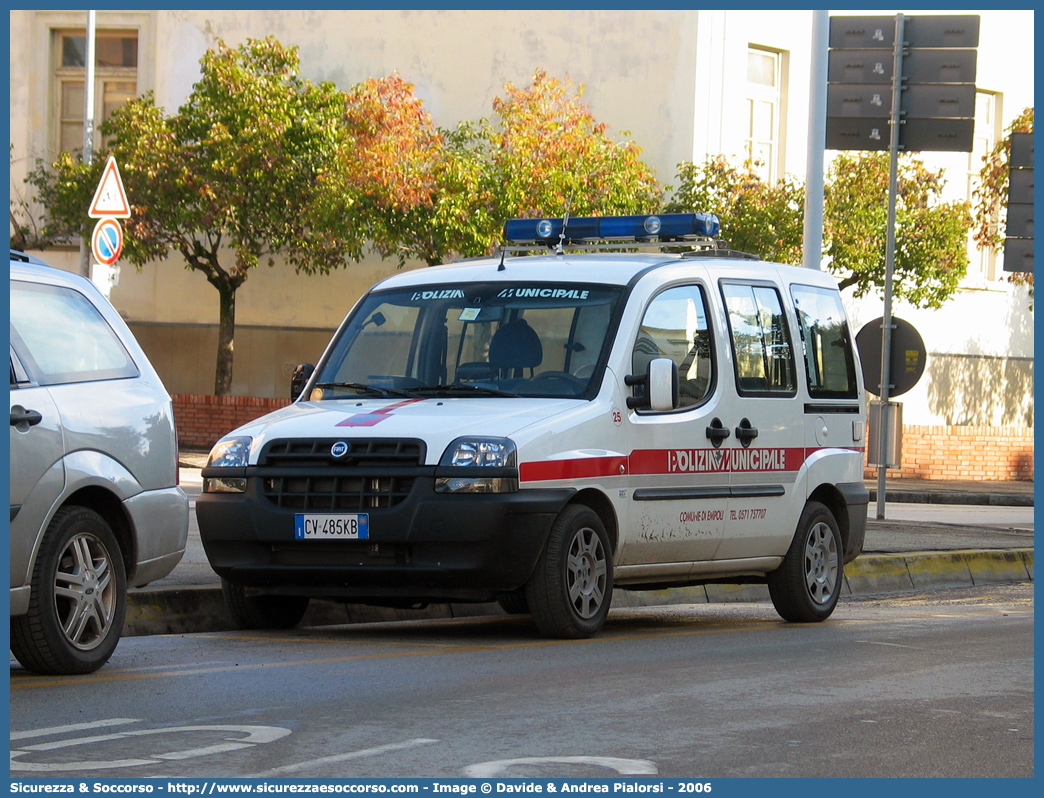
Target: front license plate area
(331, 526)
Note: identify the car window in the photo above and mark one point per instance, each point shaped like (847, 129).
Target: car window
(760, 340)
(61, 337)
(675, 326)
(829, 362)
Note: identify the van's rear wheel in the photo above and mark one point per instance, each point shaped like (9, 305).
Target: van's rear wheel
(263, 611)
(806, 587)
(572, 587)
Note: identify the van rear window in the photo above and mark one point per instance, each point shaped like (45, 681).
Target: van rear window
(829, 362)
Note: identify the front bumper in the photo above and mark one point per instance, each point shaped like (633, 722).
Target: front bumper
(429, 547)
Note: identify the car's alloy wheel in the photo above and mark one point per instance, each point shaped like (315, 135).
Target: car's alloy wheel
(78, 599)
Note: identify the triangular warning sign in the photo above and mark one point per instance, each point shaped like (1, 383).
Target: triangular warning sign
(110, 199)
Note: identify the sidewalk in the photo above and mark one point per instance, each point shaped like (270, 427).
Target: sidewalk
(928, 550)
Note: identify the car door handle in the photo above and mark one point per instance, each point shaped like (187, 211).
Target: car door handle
(20, 415)
(745, 432)
(717, 432)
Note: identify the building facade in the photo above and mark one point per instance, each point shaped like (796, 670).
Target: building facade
(682, 84)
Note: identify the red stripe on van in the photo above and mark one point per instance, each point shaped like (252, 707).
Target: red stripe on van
(675, 461)
(580, 468)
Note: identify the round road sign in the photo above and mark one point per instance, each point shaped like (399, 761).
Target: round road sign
(107, 241)
(906, 364)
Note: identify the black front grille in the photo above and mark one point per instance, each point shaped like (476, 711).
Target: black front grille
(303, 475)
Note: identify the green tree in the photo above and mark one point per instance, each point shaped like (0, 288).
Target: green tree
(762, 218)
(767, 219)
(992, 193)
(931, 236)
(243, 171)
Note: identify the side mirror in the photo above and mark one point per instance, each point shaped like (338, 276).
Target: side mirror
(661, 386)
(299, 379)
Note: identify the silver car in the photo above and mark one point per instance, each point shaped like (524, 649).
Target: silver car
(95, 502)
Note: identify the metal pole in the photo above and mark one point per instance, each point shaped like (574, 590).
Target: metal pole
(886, 323)
(88, 126)
(817, 113)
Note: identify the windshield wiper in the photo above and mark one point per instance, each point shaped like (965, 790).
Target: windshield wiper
(461, 387)
(376, 390)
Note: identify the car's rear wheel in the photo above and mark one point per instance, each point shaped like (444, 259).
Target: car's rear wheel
(806, 587)
(78, 600)
(570, 591)
(262, 611)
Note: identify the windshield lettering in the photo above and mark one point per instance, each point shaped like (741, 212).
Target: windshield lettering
(544, 293)
(427, 296)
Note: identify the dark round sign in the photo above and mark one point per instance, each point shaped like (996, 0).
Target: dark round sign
(906, 364)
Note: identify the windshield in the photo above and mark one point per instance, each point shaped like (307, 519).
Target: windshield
(491, 339)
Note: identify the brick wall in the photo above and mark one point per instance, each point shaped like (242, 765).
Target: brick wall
(201, 420)
(983, 453)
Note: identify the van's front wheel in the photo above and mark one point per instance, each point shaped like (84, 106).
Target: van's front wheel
(805, 588)
(572, 587)
(262, 611)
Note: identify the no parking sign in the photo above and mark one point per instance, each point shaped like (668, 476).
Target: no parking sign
(107, 241)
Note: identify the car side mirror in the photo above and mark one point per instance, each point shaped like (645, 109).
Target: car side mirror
(661, 386)
(299, 379)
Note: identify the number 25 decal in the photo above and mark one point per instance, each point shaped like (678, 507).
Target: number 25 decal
(617, 416)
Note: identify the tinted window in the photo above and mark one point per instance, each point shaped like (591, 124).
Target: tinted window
(675, 326)
(61, 337)
(760, 339)
(829, 363)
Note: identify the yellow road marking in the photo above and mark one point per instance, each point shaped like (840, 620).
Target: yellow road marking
(115, 675)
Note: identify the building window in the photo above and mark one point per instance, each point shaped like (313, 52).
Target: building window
(987, 133)
(115, 80)
(764, 105)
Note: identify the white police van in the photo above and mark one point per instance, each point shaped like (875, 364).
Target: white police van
(541, 429)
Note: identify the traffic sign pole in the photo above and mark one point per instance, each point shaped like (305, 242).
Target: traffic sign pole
(886, 321)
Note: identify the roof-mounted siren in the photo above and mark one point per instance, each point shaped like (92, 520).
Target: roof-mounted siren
(652, 227)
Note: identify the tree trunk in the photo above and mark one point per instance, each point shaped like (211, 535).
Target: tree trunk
(226, 336)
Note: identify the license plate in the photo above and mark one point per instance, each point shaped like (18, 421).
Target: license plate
(332, 526)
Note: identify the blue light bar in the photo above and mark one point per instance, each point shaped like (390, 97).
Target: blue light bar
(662, 227)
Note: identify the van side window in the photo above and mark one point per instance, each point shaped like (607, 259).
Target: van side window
(61, 337)
(760, 340)
(675, 325)
(829, 363)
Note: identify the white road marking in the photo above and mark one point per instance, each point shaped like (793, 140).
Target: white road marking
(501, 767)
(72, 727)
(381, 749)
(255, 735)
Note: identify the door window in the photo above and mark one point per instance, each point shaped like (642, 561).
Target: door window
(675, 325)
(761, 346)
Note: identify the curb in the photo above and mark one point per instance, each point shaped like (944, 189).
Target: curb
(955, 497)
(191, 610)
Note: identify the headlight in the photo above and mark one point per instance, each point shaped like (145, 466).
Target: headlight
(469, 458)
(229, 453)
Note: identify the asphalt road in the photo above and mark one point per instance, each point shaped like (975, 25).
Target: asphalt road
(920, 685)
